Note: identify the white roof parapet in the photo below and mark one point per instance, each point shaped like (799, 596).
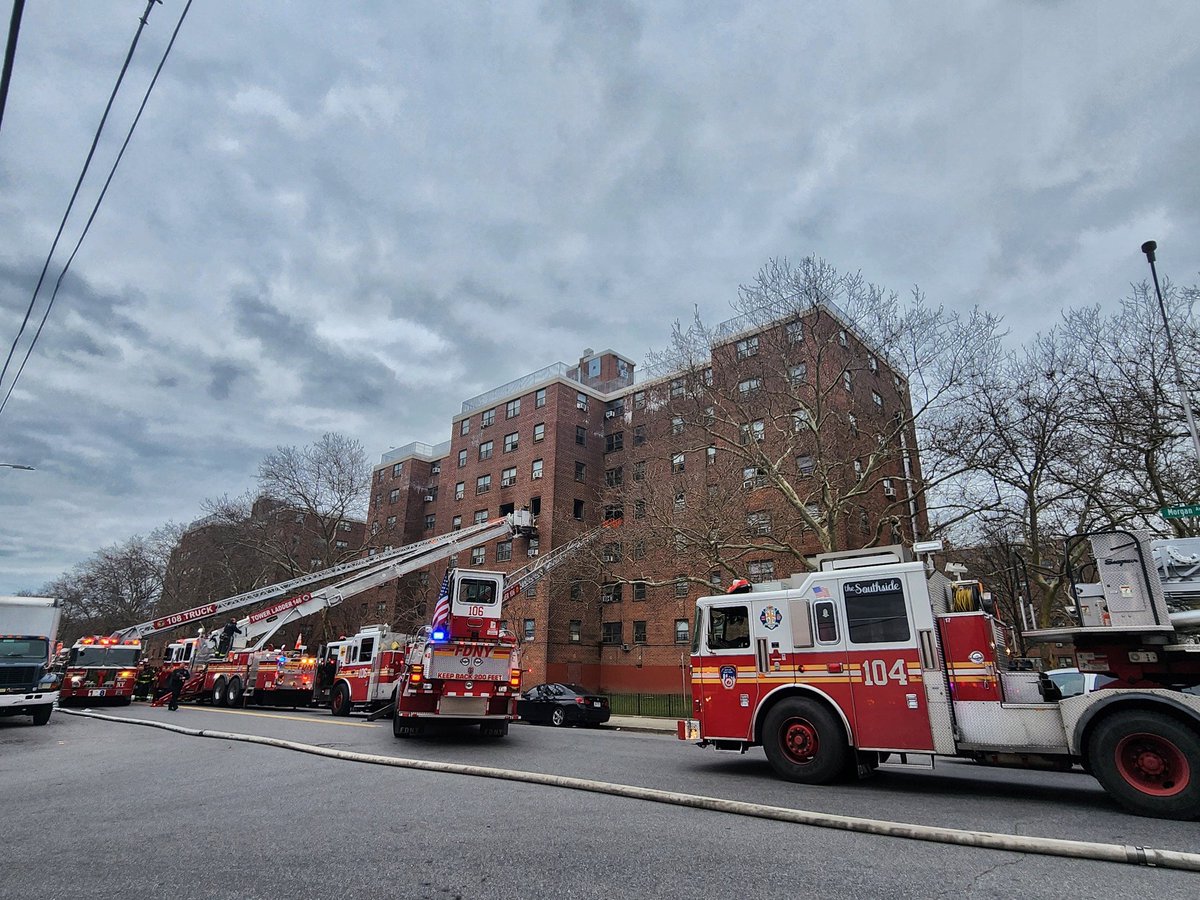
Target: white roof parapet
(417, 449)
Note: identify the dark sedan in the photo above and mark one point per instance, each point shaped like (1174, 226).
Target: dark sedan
(562, 704)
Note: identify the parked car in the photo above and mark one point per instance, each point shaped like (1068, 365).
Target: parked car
(562, 704)
(1072, 682)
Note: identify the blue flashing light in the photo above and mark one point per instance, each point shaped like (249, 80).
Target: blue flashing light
(439, 634)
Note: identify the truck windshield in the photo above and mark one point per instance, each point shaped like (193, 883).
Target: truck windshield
(105, 656)
(24, 648)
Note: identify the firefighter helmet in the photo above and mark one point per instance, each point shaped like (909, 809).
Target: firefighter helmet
(738, 586)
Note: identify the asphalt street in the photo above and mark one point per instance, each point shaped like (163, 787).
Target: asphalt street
(95, 808)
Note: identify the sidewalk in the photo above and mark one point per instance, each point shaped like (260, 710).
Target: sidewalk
(648, 724)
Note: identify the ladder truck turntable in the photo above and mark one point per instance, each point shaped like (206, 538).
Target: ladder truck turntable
(250, 673)
(465, 671)
(834, 671)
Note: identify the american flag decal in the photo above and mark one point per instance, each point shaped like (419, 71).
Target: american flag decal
(441, 612)
(821, 593)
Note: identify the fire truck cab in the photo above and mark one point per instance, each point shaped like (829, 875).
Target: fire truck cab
(360, 672)
(100, 669)
(869, 657)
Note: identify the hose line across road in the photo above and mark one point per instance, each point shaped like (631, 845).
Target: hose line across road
(1088, 850)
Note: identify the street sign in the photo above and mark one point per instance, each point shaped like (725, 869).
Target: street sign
(1180, 512)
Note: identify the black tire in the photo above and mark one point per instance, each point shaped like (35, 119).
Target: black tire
(41, 714)
(804, 742)
(124, 701)
(1149, 762)
(558, 717)
(234, 694)
(219, 697)
(339, 704)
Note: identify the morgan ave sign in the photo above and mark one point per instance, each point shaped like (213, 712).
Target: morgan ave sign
(1180, 512)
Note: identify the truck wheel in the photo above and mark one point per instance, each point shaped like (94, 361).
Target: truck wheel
(340, 704)
(804, 742)
(233, 693)
(1149, 762)
(559, 716)
(493, 730)
(41, 714)
(219, 698)
(124, 701)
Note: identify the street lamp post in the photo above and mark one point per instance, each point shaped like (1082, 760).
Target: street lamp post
(1148, 248)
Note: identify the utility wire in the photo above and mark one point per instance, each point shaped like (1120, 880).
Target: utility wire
(75, 193)
(96, 208)
(10, 52)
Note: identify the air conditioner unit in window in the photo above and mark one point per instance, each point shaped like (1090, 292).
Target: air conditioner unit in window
(533, 553)
(889, 492)
(429, 498)
(610, 413)
(536, 475)
(507, 482)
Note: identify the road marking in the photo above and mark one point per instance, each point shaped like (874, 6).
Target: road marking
(263, 715)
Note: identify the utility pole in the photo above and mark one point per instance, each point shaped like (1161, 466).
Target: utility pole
(1148, 248)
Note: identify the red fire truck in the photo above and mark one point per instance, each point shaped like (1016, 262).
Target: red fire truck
(868, 659)
(100, 669)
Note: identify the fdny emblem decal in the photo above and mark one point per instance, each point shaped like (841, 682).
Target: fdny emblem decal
(770, 617)
(728, 676)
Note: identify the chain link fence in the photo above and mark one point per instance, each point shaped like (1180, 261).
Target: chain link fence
(668, 706)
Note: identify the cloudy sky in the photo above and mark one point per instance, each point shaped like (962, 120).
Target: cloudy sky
(353, 216)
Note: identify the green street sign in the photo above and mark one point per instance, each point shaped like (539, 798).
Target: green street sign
(1180, 512)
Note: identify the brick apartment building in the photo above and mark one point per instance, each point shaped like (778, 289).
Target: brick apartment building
(792, 437)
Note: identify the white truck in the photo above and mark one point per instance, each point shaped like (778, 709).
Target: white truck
(28, 631)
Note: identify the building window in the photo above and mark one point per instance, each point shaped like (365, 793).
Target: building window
(747, 347)
(677, 463)
(477, 555)
(852, 419)
(677, 425)
(462, 459)
(488, 418)
(680, 500)
(581, 401)
(889, 488)
(858, 467)
(800, 419)
(485, 450)
(436, 468)
(758, 523)
(639, 632)
(429, 522)
(753, 432)
(681, 542)
(714, 579)
(464, 427)
(483, 484)
(539, 432)
(639, 399)
(795, 332)
(459, 490)
(573, 631)
(710, 456)
(539, 398)
(753, 477)
(391, 521)
(639, 590)
(397, 469)
(798, 373)
(508, 477)
(504, 551)
(806, 465)
(873, 364)
(843, 339)
(639, 470)
(614, 477)
(611, 632)
(749, 386)
(341, 545)
(877, 399)
(846, 380)
(610, 593)
(577, 509)
(580, 471)
(529, 629)
(580, 435)
(512, 408)
(394, 495)
(761, 571)
(681, 631)
(639, 509)
(676, 388)
(614, 441)
(510, 442)
(576, 590)
(639, 435)
(536, 469)
(681, 587)
(614, 512)
(480, 516)
(456, 523)
(639, 549)
(706, 376)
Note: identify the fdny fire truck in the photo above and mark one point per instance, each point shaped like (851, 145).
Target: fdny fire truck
(100, 669)
(869, 659)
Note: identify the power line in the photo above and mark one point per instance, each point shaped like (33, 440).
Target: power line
(96, 208)
(10, 52)
(75, 193)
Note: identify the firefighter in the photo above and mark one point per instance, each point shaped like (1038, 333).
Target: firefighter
(227, 633)
(143, 684)
(174, 686)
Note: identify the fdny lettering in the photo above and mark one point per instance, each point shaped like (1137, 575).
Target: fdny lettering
(467, 650)
(877, 586)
